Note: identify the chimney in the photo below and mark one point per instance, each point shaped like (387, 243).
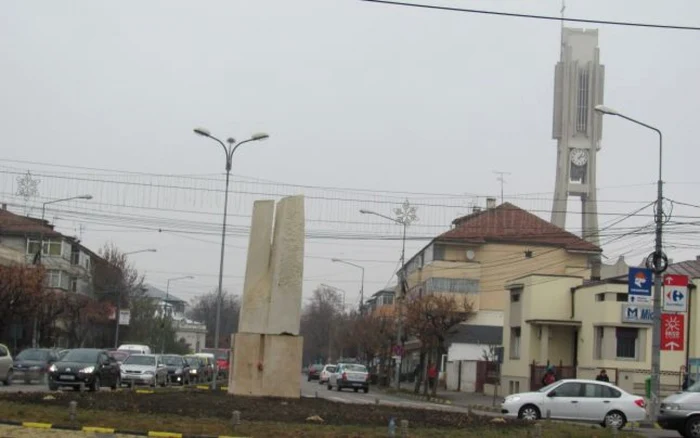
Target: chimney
(4, 207)
(697, 258)
(476, 209)
(490, 203)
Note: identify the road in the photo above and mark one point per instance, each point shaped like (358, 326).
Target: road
(313, 389)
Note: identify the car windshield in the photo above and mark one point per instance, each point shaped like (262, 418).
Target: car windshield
(330, 369)
(32, 355)
(355, 368)
(317, 367)
(548, 387)
(695, 387)
(119, 355)
(140, 360)
(172, 360)
(81, 356)
(192, 361)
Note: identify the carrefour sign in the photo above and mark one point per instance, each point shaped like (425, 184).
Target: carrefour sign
(638, 314)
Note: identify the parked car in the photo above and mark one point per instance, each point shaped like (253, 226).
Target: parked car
(5, 365)
(349, 375)
(33, 364)
(144, 369)
(222, 356)
(83, 368)
(681, 412)
(198, 368)
(326, 373)
(119, 355)
(135, 348)
(178, 369)
(579, 400)
(314, 371)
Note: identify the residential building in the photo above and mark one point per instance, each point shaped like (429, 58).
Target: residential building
(192, 333)
(381, 303)
(68, 264)
(485, 250)
(583, 326)
(470, 349)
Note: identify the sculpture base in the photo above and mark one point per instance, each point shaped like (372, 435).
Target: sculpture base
(266, 365)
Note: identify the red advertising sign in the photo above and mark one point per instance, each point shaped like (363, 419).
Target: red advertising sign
(672, 331)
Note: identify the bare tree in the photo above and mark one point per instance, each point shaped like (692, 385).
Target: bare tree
(429, 319)
(320, 321)
(203, 310)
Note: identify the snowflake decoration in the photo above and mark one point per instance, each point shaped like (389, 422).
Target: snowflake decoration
(27, 187)
(406, 215)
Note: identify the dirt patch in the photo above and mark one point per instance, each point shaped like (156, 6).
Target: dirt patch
(209, 404)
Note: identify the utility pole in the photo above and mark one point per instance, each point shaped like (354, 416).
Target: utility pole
(501, 180)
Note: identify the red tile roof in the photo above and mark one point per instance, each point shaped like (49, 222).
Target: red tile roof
(11, 223)
(508, 223)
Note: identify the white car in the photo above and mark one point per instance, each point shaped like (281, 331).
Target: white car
(6, 363)
(580, 400)
(326, 373)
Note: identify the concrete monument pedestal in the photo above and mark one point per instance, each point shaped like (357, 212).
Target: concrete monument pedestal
(267, 350)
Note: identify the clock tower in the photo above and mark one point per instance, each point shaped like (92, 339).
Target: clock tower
(578, 88)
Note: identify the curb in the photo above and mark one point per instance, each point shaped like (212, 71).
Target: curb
(484, 408)
(430, 399)
(107, 430)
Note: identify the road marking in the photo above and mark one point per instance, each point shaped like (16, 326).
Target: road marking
(37, 425)
(97, 429)
(153, 433)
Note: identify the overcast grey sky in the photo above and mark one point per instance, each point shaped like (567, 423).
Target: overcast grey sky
(354, 95)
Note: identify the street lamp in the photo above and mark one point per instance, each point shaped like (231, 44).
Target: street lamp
(41, 250)
(405, 216)
(165, 306)
(119, 296)
(658, 262)
(362, 284)
(228, 151)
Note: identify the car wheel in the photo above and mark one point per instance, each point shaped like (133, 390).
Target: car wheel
(95, 384)
(366, 390)
(339, 388)
(692, 428)
(330, 387)
(529, 413)
(8, 378)
(615, 420)
(356, 389)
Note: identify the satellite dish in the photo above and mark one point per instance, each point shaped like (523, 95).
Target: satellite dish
(470, 254)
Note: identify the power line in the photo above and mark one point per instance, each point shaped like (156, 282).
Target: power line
(535, 17)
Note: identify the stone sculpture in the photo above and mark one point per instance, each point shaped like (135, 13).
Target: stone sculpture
(267, 350)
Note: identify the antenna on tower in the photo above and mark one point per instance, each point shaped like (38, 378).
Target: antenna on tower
(501, 180)
(561, 38)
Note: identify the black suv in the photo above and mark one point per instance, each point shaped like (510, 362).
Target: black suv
(85, 368)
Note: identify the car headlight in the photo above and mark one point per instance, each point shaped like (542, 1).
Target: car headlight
(511, 399)
(53, 369)
(88, 370)
(671, 406)
(193, 371)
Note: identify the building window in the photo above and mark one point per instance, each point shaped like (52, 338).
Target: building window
(621, 297)
(515, 343)
(627, 342)
(515, 296)
(598, 342)
(438, 252)
(74, 284)
(53, 278)
(452, 285)
(582, 107)
(600, 297)
(50, 247)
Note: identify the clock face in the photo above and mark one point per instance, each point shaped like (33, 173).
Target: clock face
(579, 157)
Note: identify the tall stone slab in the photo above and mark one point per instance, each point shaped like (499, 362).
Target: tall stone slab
(267, 350)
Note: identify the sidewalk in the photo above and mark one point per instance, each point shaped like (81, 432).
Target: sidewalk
(473, 400)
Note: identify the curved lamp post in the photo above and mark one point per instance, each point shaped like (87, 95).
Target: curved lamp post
(228, 152)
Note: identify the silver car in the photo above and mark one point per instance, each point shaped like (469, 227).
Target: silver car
(681, 412)
(5, 365)
(349, 375)
(144, 369)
